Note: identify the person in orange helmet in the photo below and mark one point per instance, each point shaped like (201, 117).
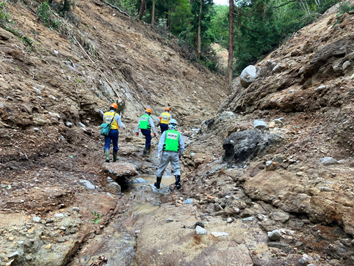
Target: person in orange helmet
(145, 125)
(165, 118)
(114, 119)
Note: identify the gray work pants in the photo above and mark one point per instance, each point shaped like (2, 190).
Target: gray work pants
(169, 156)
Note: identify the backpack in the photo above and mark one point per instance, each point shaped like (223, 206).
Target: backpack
(105, 128)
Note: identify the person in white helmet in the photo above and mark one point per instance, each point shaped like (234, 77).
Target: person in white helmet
(170, 149)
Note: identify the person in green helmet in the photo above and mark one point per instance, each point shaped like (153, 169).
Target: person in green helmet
(170, 149)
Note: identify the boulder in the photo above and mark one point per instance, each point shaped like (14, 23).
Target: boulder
(119, 169)
(112, 186)
(245, 145)
(248, 75)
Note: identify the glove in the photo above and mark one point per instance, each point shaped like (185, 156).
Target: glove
(137, 134)
(154, 134)
(159, 156)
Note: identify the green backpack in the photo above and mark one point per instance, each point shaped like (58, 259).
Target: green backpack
(105, 128)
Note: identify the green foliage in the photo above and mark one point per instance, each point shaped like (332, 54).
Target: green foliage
(345, 7)
(45, 13)
(219, 27)
(3, 14)
(262, 25)
(97, 217)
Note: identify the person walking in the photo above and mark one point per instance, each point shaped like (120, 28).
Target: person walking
(165, 118)
(111, 117)
(170, 149)
(145, 125)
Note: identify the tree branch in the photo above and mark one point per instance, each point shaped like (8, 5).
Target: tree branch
(292, 1)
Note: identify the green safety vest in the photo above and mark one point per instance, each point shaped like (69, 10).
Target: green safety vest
(172, 140)
(144, 122)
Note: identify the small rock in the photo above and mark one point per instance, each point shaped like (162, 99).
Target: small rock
(200, 230)
(69, 124)
(229, 220)
(188, 201)
(346, 64)
(248, 219)
(219, 234)
(36, 219)
(87, 184)
(320, 88)
(326, 189)
(13, 255)
(328, 161)
(36, 129)
(271, 166)
(76, 209)
(279, 122)
(81, 124)
(59, 215)
(11, 238)
(169, 220)
(48, 246)
(259, 124)
(138, 180)
(274, 235)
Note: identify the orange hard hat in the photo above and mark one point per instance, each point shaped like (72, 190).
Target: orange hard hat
(148, 110)
(167, 109)
(114, 105)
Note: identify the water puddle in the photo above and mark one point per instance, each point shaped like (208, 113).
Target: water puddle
(142, 183)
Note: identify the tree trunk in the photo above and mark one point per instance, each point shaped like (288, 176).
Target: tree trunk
(66, 6)
(142, 7)
(145, 10)
(199, 42)
(153, 13)
(231, 42)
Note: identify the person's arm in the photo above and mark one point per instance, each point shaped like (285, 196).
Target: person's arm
(151, 122)
(119, 121)
(181, 145)
(137, 127)
(161, 143)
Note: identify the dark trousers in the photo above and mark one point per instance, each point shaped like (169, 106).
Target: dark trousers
(163, 128)
(147, 134)
(113, 136)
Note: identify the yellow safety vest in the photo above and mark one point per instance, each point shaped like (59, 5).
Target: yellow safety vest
(108, 118)
(165, 118)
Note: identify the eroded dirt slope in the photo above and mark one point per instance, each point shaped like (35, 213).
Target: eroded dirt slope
(51, 98)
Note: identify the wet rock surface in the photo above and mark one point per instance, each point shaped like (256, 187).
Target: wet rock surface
(245, 145)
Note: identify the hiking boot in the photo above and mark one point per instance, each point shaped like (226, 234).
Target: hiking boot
(158, 182)
(178, 181)
(106, 153)
(115, 157)
(145, 152)
(148, 150)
